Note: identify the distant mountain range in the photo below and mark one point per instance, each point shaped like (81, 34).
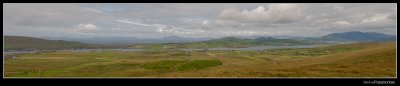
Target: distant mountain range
(173, 38)
(130, 40)
(358, 36)
(346, 37)
(22, 42)
(244, 42)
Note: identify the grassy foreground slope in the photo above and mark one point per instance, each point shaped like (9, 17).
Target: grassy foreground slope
(365, 60)
(346, 60)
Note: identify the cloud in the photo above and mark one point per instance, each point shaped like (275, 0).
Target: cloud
(376, 17)
(338, 8)
(95, 10)
(305, 18)
(261, 17)
(272, 13)
(196, 19)
(158, 26)
(341, 23)
(87, 26)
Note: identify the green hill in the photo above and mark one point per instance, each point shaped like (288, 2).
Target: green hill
(22, 42)
(229, 42)
(237, 42)
(358, 36)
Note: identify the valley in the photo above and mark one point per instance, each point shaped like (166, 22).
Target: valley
(357, 55)
(366, 59)
(202, 40)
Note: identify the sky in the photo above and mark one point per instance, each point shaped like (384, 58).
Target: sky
(196, 20)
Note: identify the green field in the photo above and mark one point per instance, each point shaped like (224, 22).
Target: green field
(345, 60)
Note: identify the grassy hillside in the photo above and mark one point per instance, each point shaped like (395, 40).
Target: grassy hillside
(223, 42)
(230, 42)
(345, 60)
(236, 42)
(374, 62)
(21, 42)
(363, 60)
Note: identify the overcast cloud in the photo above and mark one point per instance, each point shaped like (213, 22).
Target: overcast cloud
(147, 20)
